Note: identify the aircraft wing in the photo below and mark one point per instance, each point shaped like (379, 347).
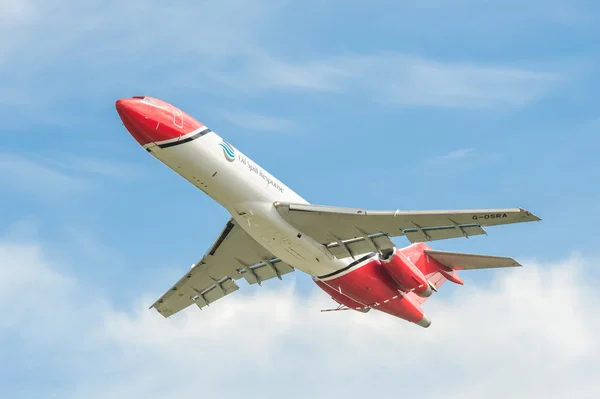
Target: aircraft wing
(233, 255)
(340, 228)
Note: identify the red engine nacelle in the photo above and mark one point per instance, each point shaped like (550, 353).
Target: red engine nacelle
(405, 273)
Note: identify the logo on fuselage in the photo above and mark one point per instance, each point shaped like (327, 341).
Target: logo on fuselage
(228, 151)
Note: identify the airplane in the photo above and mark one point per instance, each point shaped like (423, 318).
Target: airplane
(273, 231)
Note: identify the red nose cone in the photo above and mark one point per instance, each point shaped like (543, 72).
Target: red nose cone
(150, 120)
(132, 113)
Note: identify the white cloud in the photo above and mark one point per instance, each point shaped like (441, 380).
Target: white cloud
(529, 332)
(15, 11)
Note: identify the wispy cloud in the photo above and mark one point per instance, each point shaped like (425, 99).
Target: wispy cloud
(60, 41)
(401, 80)
(259, 122)
(457, 154)
(460, 159)
(422, 82)
(57, 177)
(94, 166)
(462, 153)
(237, 58)
(541, 336)
(16, 11)
(35, 178)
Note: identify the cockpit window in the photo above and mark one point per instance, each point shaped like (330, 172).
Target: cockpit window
(146, 99)
(152, 101)
(149, 100)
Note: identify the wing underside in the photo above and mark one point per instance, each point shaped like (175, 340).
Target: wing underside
(234, 255)
(353, 231)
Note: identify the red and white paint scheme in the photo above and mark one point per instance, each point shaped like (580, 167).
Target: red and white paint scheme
(273, 231)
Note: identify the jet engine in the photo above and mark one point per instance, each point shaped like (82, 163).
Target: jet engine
(404, 272)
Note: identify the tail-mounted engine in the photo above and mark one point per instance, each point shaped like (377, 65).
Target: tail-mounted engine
(404, 272)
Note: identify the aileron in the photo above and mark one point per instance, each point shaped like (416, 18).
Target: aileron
(360, 245)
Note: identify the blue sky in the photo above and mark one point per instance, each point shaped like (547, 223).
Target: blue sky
(385, 105)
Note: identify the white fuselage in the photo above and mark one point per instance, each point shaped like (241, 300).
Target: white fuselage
(248, 193)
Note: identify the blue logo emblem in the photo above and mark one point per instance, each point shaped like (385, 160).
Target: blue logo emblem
(228, 151)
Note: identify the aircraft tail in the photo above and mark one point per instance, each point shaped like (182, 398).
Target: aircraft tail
(442, 266)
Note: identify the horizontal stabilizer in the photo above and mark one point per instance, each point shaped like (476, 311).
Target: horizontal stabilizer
(461, 261)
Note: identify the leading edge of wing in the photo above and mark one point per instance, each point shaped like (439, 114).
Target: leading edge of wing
(479, 216)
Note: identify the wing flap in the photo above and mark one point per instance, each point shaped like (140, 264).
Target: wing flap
(215, 292)
(266, 270)
(462, 261)
(359, 245)
(424, 234)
